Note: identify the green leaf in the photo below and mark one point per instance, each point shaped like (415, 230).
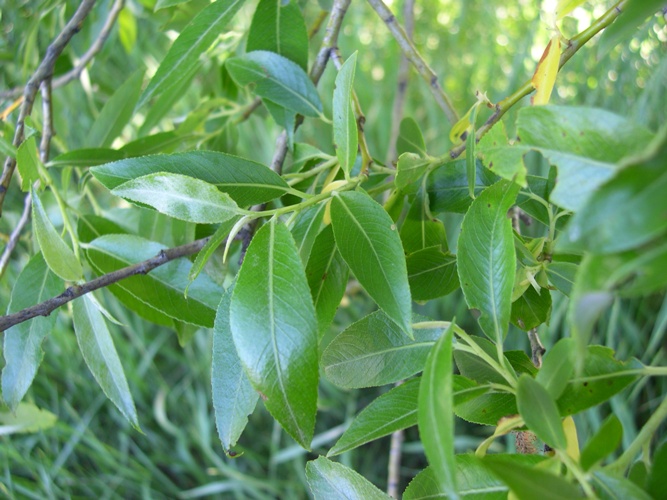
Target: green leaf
(116, 113)
(431, 273)
(91, 226)
(127, 29)
(410, 168)
(584, 143)
(436, 418)
(420, 229)
(285, 118)
(28, 163)
(368, 241)
(101, 357)
(86, 157)
(486, 258)
(657, 482)
(538, 409)
(304, 155)
(59, 257)
(217, 239)
(278, 26)
(306, 228)
(610, 487)
(22, 347)
(233, 396)
(472, 479)
(564, 7)
(410, 138)
(487, 409)
(275, 330)
(345, 137)
(247, 182)
(7, 148)
(393, 411)
(327, 275)
(531, 309)
(277, 79)
(631, 204)
(328, 480)
(193, 41)
(161, 292)
(635, 12)
(561, 275)
(162, 142)
(448, 186)
(557, 367)
(602, 377)
(530, 482)
(180, 196)
(498, 156)
(374, 351)
(474, 367)
(26, 418)
(604, 442)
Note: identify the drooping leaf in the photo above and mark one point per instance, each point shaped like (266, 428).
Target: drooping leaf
(27, 163)
(247, 182)
(22, 348)
(486, 258)
(410, 138)
(448, 186)
(604, 441)
(436, 418)
(306, 228)
(327, 275)
(557, 367)
(374, 351)
(328, 479)
(410, 168)
(345, 132)
(59, 257)
(233, 396)
(540, 413)
(545, 75)
(368, 241)
(394, 410)
(180, 196)
(101, 357)
(279, 27)
(420, 229)
(431, 273)
(277, 79)
(26, 418)
(116, 113)
(193, 41)
(162, 290)
(275, 330)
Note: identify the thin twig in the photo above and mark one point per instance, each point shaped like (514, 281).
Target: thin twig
(85, 59)
(416, 59)
(537, 350)
(48, 306)
(527, 88)
(394, 469)
(43, 72)
(16, 234)
(402, 84)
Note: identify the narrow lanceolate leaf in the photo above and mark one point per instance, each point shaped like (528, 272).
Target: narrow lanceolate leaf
(181, 197)
(420, 229)
(393, 411)
(217, 239)
(486, 258)
(275, 330)
(346, 140)
(557, 367)
(545, 75)
(604, 442)
(101, 357)
(116, 113)
(7, 148)
(374, 351)
(277, 79)
(431, 273)
(23, 343)
(540, 412)
(368, 241)
(59, 257)
(26, 418)
(27, 163)
(247, 182)
(410, 138)
(328, 480)
(233, 396)
(436, 413)
(564, 7)
(306, 228)
(279, 27)
(327, 275)
(196, 38)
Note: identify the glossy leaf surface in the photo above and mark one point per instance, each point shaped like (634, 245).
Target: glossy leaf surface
(345, 137)
(328, 479)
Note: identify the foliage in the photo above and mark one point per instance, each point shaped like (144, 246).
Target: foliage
(212, 192)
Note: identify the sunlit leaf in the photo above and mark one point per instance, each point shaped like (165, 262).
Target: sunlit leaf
(27, 418)
(545, 75)
(328, 480)
(345, 137)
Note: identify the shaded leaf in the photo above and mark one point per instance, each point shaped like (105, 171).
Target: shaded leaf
(410, 168)
(431, 273)
(448, 186)
(540, 413)
(604, 442)
(410, 138)
(610, 487)
(217, 239)
(531, 309)
(420, 229)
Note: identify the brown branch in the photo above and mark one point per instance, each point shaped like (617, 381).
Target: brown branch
(527, 88)
(43, 72)
(75, 291)
(85, 59)
(416, 59)
(402, 84)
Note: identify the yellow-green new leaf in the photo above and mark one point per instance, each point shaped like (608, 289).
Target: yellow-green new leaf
(564, 7)
(59, 257)
(180, 196)
(545, 75)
